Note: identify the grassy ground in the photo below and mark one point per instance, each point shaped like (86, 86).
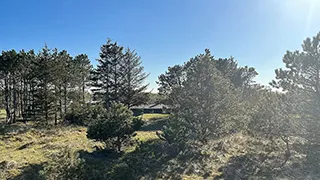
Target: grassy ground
(148, 117)
(2, 113)
(25, 146)
(22, 149)
(25, 149)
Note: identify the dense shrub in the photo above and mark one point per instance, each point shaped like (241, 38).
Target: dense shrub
(205, 105)
(65, 164)
(116, 125)
(83, 115)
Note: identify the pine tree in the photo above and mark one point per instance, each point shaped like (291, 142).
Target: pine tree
(43, 96)
(82, 68)
(118, 76)
(9, 69)
(65, 65)
(36, 86)
(301, 79)
(240, 77)
(106, 76)
(205, 106)
(133, 89)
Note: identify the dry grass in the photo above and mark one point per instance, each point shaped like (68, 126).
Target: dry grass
(146, 136)
(20, 150)
(33, 147)
(2, 113)
(25, 146)
(148, 117)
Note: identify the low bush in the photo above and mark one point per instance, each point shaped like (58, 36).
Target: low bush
(65, 164)
(116, 125)
(83, 115)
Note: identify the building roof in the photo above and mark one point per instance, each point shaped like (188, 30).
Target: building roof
(150, 106)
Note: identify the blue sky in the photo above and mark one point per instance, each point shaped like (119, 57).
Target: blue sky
(167, 32)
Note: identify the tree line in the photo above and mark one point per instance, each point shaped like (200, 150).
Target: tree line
(214, 98)
(40, 86)
(47, 85)
(209, 98)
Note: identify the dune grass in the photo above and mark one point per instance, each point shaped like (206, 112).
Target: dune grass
(146, 136)
(2, 113)
(23, 145)
(153, 123)
(22, 149)
(148, 117)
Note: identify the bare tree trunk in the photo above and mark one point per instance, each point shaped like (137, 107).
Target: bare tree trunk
(65, 100)
(7, 103)
(118, 144)
(33, 103)
(60, 101)
(26, 99)
(287, 154)
(14, 98)
(21, 99)
(55, 107)
(83, 88)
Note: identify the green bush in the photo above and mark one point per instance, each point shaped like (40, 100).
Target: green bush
(121, 171)
(83, 115)
(65, 164)
(116, 125)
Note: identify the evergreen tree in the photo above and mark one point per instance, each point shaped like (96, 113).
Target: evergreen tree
(82, 68)
(116, 125)
(43, 95)
(9, 68)
(66, 78)
(240, 77)
(205, 106)
(119, 76)
(29, 76)
(133, 89)
(301, 79)
(106, 76)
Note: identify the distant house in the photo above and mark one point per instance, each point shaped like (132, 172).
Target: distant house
(150, 108)
(93, 102)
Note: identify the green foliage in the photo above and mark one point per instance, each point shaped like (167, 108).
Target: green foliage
(219, 117)
(228, 68)
(155, 98)
(174, 132)
(41, 86)
(271, 115)
(116, 125)
(301, 80)
(121, 171)
(119, 76)
(64, 164)
(153, 117)
(82, 69)
(205, 105)
(238, 76)
(83, 115)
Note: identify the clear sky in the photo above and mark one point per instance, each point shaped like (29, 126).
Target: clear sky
(164, 32)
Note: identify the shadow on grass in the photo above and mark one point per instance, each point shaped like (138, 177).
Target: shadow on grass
(153, 159)
(18, 128)
(150, 160)
(258, 166)
(30, 173)
(154, 125)
(240, 167)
